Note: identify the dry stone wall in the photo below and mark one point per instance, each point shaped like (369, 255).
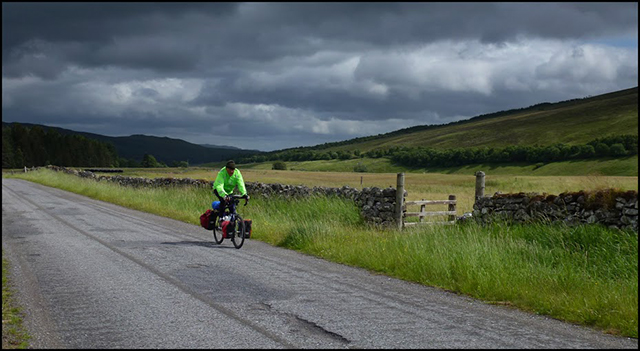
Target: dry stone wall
(615, 209)
(377, 206)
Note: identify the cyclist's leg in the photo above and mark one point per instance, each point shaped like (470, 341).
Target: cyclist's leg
(222, 203)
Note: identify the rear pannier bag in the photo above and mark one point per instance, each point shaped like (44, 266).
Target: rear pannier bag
(207, 219)
(247, 228)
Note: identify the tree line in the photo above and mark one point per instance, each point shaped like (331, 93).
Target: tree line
(615, 146)
(612, 146)
(33, 147)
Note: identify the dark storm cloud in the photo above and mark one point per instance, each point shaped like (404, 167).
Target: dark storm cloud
(93, 21)
(303, 72)
(160, 35)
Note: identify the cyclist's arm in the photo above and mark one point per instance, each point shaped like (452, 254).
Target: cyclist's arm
(240, 183)
(218, 184)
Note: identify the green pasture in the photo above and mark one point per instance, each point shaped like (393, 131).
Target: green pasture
(627, 166)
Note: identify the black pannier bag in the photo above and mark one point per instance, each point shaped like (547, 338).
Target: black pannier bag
(247, 228)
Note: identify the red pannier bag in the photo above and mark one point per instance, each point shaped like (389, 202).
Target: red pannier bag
(206, 220)
(226, 226)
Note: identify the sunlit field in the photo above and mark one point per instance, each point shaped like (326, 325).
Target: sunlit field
(419, 186)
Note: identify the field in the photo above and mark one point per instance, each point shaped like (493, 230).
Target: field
(419, 185)
(585, 275)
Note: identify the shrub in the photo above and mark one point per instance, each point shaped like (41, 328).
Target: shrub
(602, 149)
(279, 165)
(360, 168)
(617, 150)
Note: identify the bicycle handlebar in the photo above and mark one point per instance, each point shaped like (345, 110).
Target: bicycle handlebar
(245, 197)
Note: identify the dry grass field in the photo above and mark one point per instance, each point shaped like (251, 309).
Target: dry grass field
(419, 186)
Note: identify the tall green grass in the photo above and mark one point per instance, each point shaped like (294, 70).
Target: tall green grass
(586, 274)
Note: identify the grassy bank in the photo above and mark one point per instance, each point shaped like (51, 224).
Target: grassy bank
(585, 275)
(14, 335)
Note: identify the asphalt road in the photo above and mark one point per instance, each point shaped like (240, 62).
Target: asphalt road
(94, 275)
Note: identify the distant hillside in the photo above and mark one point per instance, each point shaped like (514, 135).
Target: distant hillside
(164, 149)
(219, 146)
(574, 121)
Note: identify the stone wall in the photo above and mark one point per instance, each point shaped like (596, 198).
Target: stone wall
(377, 205)
(615, 209)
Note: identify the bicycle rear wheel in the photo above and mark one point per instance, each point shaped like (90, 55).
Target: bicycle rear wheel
(238, 235)
(217, 232)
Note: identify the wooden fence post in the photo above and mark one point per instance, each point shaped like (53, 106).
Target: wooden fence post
(479, 184)
(422, 209)
(399, 200)
(452, 207)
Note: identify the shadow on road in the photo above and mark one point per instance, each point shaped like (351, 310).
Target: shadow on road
(199, 243)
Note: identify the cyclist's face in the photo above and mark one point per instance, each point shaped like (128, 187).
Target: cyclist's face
(230, 171)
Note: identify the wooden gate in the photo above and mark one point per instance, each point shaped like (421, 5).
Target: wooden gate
(401, 205)
(451, 213)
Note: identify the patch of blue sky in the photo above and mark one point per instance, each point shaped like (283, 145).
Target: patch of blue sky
(621, 42)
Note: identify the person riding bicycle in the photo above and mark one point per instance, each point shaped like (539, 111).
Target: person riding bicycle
(228, 178)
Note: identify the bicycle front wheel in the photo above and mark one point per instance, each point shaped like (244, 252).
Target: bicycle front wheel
(217, 232)
(238, 237)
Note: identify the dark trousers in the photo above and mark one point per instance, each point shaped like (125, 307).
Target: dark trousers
(221, 198)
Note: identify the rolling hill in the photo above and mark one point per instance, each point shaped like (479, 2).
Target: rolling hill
(164, 149)
(576, 121)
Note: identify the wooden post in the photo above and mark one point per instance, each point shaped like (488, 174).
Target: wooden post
(361, 180)
(452, 207)
(422, 208)
(399, 200)
(479, 184)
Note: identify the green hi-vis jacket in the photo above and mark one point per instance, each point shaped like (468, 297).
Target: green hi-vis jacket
(225, 183)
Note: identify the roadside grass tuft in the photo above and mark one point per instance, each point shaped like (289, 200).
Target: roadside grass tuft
(14, 335)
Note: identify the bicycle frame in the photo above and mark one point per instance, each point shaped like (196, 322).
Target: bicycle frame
(231, 211)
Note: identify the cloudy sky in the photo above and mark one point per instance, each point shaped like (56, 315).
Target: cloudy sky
(269, 76)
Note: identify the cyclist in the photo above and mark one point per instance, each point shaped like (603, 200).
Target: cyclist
(228, 178)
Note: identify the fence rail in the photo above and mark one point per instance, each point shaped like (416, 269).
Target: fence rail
(431, 202)
(451, 213)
